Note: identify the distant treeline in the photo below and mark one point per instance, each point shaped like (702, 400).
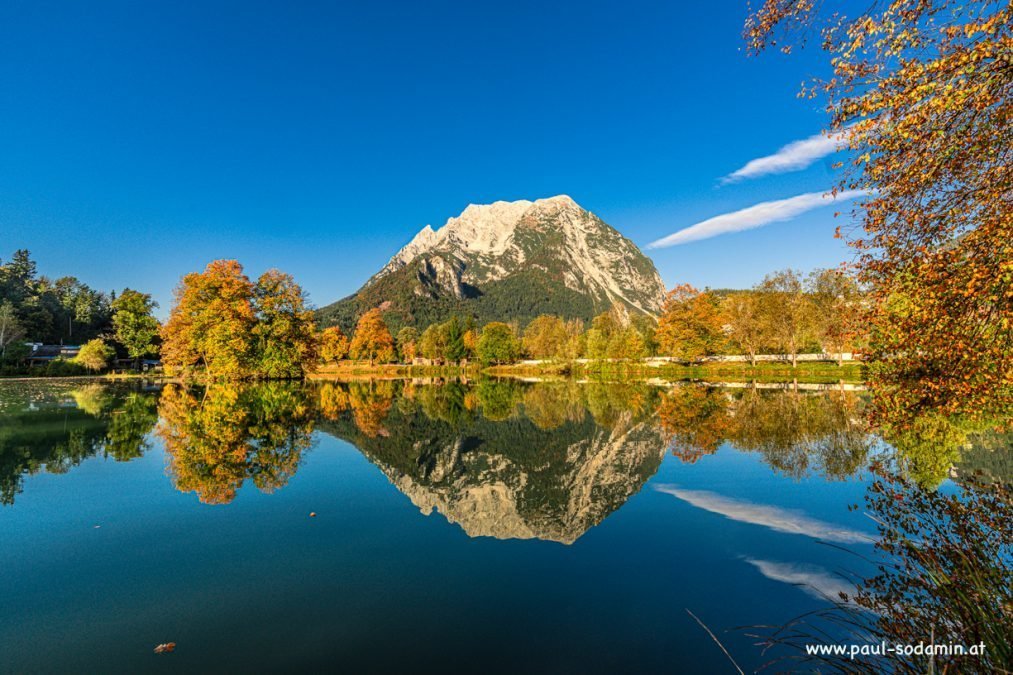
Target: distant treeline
(223, 325)
(786, 313)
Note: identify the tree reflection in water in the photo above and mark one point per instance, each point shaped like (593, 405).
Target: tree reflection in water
(550, 460)
(218, 437)
(56, 427)
(797, 433)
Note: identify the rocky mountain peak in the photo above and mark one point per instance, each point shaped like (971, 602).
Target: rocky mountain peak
(548, 255)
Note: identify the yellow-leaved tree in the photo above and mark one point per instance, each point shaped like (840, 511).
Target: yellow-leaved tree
(690, 324)
(333, 345)
(211, 322)
(922, 94)
(235, 329)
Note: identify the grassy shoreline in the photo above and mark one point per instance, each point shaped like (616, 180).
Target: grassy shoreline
(850, 372)
(821, 373)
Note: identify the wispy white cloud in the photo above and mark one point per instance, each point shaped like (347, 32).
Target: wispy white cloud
(813, 580)
(772, 517)
(795, 156)
(754, 216)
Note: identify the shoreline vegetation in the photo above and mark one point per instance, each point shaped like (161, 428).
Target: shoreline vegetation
(223, 325)
(851, 372)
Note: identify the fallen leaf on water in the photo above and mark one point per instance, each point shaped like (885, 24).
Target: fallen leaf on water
(165, 647)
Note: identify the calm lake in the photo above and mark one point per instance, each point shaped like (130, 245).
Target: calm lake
(495, 527)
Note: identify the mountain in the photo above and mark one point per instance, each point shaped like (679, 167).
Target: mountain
(505, 261)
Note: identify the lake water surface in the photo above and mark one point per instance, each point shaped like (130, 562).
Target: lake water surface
(490, 527)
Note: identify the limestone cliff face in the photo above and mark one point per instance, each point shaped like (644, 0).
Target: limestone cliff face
(489, 494)
(510, 260)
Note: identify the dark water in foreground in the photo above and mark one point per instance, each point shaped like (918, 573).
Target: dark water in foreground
(494, 528)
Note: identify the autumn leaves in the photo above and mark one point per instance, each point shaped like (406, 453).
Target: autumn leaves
(926, 89)
(236, 329)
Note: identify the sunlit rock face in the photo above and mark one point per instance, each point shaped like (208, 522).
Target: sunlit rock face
(511, 479)
(511, 260)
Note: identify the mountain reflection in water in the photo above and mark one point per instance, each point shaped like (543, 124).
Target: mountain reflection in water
(499, 458)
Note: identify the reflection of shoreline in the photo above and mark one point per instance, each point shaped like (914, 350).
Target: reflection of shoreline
(788, 386)
(661, 382)
(226, 432)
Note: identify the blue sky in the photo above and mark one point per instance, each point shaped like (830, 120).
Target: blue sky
(138, 141)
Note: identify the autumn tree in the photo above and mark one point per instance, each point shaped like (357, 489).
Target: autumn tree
(95, 355)
(786, 312)
(627, 344)
(545, 337)
(407, 343)
(284, 334)
(211, 322)
(690, 324)
(498, 344)
(837, 304)
(134, 323)
(372, 340)
(596, 344)
(332, 345)
(741, 315)
(470, 338)
(647, 326)
(921, 94)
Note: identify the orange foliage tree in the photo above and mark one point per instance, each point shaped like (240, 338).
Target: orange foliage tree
(236, 329)
(922, 91)
(690, 325)
(372, 340)
(545, 337)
